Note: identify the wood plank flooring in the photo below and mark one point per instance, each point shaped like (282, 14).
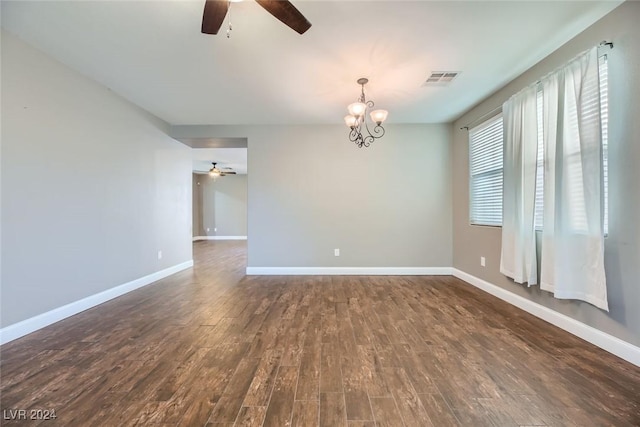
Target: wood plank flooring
(210, 346)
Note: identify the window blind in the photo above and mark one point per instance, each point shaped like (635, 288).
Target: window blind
(485, 166)
(539, 207)
(604, 117)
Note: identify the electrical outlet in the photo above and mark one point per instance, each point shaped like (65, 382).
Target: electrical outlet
(215, 229)
(336, 252)
(482, 261)
(208, 229)
(159, 254)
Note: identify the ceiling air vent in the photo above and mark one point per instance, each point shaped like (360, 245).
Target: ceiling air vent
(441, 78)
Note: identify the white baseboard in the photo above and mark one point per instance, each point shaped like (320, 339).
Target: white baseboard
(197, 238)
(17, 330)
(614, 345)
(349, 271)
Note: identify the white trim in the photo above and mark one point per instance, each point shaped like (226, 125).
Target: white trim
(197, 238)
(605, 341)
(17, 330)
(350, 271)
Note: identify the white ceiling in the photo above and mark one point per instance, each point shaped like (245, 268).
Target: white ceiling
(152, 53)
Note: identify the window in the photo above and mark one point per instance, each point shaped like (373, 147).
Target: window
(485, 166)
(486, 157)
(578, 217)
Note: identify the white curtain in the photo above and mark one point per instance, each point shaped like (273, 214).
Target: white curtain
(518, 258)
(572, 265)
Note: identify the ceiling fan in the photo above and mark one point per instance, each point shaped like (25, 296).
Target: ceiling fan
(215, 171)
(216, 10)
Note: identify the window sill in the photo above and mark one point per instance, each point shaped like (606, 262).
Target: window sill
(485, 225)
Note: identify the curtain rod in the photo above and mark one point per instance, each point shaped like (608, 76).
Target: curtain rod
(603, 43)
(479, 119)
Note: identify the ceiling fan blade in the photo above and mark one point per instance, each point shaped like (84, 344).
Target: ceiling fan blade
(229, 173)
(213, 16)
(287, 14)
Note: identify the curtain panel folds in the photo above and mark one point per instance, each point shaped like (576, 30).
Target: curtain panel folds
(572, 251)
(518, 259)
(572, 264)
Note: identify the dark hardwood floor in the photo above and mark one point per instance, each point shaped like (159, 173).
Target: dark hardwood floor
(209, 346)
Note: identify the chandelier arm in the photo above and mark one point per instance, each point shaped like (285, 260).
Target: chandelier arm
(367, 140)
(356, 137)
(353, 135)
(378, 131)
(361, 141)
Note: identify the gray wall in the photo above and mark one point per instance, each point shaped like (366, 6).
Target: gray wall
(311, 190)
(622, 247)
(223, 205)
(92, 187)
(196, 229)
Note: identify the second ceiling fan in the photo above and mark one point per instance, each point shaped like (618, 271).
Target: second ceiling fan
(216, 172)
(216, 10)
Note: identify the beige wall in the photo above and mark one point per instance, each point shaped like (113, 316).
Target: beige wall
(92, 187)
(312, 191)
(622, 250)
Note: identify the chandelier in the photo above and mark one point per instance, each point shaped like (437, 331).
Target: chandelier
(357, 118)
